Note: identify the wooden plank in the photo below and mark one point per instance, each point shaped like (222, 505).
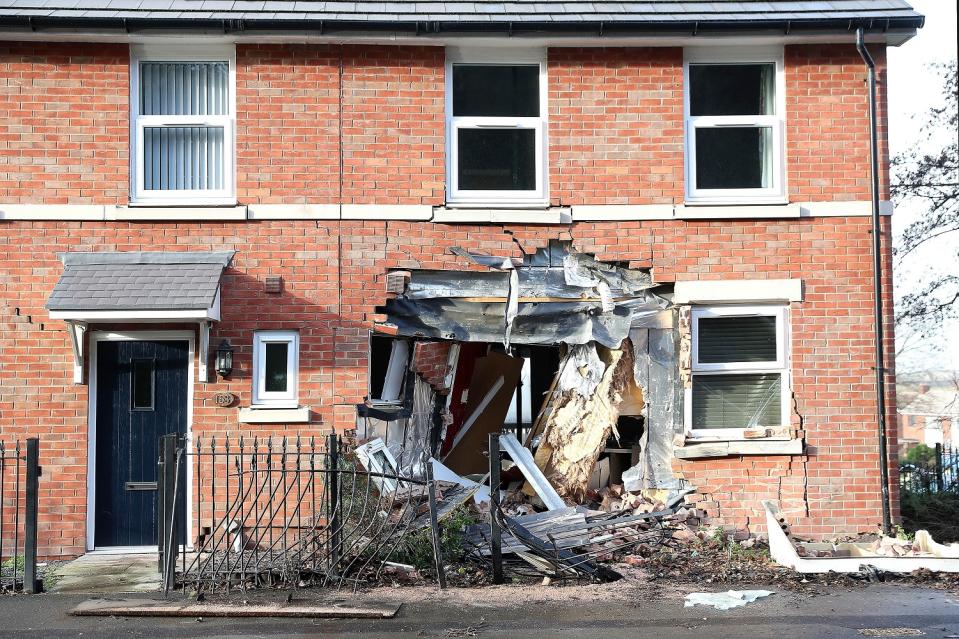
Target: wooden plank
(152, 608)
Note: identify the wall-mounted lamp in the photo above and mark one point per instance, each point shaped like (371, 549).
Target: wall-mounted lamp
(224, 359)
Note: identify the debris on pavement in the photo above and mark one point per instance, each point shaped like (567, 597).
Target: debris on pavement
(725, 600)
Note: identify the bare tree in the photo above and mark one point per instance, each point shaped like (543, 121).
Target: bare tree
(929, 174)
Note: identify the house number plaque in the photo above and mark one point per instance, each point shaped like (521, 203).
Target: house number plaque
(224, 399)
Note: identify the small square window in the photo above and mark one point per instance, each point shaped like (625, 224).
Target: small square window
(496, 123)
(275, 368)
(740, 375)
(734, 129)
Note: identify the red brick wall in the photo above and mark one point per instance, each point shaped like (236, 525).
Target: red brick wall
(615, 129)
(827, 122)
(287, 124)
(431, 361)
(64, 128)
(334, 272)
(616, 126)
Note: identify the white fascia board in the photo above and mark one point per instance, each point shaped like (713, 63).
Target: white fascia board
(728, 291)
(387, 211)
(211, 314)
(293, 211)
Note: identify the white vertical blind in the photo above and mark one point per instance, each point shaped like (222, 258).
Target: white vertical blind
(184, 153)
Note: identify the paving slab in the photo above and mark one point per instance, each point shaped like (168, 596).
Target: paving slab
(100, 573)
(113, 607)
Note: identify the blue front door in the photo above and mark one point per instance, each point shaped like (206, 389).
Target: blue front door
(141, 395)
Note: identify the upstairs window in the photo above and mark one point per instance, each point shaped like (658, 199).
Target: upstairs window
(275, 368)
(734, 128)
(740, 375)
(496, 114)
(183, 118)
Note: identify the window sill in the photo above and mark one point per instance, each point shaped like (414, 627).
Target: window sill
(508, 215)
(265, 415)
(697, 449)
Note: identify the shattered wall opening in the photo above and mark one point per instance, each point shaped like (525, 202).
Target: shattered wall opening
(573, 356)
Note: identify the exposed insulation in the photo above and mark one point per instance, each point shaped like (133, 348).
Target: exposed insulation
(577, 427)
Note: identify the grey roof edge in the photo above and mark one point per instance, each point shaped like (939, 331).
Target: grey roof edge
(148, 257)
(427, 27)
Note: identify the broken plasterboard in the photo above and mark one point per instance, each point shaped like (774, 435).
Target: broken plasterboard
(851, 557)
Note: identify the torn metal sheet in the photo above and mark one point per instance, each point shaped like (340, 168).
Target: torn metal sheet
(534, 323)
(581, 370)
(654, 370)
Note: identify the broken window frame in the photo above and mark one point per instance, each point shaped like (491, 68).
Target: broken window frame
(781, 366)
(539, 196)
(396, 369)
(775, 193)
(262, 397)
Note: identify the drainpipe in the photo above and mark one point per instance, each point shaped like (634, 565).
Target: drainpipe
(877, 281)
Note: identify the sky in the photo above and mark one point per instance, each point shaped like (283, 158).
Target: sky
(913, 88)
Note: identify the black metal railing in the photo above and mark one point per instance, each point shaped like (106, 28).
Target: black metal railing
(938, 475)
(284, 512)
(19, 482)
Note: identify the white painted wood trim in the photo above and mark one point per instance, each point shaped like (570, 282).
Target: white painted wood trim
(254, 415)
(137, 316)
(104, 336)
(738, 291)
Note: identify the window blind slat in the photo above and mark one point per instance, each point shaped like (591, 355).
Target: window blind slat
(184, 157)
(737, 401)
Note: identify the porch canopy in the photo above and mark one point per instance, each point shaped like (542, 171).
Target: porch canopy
(135, 286)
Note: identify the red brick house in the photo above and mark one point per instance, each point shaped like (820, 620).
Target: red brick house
(275, 175)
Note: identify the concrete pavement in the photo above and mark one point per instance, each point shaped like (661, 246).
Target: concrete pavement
(839, 613)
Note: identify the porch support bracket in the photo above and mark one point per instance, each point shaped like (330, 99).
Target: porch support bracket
(78, 331)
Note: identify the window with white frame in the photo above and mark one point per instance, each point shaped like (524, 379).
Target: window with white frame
(275, 368)
(182, 125)
(740, 371)
(496, 128)
(734, 126)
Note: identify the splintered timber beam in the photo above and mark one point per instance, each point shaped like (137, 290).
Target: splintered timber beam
(578, 426)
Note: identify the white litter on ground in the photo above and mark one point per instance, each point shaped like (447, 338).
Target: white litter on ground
(725, 600)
